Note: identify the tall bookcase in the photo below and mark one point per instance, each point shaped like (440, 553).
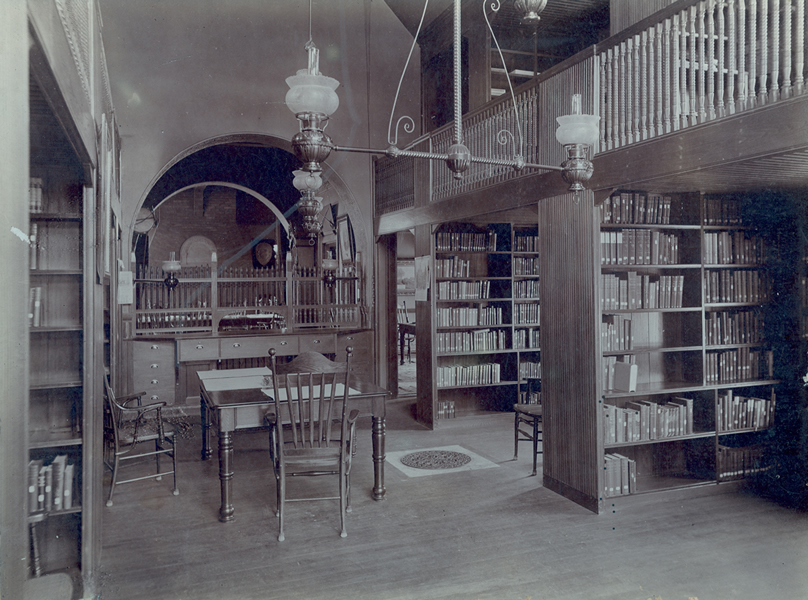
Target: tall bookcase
(61, 479)
(485, 316)
(680, 390)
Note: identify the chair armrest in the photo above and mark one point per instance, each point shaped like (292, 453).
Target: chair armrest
(124, 400)
(270, 418)
(354, 414)
(140, 410)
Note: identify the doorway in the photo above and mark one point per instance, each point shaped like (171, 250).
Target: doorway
(406, 339)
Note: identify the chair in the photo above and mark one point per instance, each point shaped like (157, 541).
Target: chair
(312, 431)
(129, 432)
(528, 415)
(405, 337)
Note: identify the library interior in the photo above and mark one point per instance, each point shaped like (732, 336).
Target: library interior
(517, 290)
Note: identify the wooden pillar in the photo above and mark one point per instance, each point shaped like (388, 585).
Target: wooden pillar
(14, 344)
(570, 348)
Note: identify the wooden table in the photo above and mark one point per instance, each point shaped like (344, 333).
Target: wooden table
(404, 329)
(232, 399)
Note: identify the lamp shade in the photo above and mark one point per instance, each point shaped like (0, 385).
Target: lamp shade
(577, 129)
(307, 180)
(312, 94)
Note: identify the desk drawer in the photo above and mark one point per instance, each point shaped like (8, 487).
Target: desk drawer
(284, 345)
(205, 349)
(324, 344)
(245, 347)
(153, 370)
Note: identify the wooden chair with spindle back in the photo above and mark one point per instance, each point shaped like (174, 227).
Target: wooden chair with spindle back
(311, 429)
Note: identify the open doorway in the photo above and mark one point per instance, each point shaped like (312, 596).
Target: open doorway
(405, 313)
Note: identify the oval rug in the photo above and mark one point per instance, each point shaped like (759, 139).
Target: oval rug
(435, 459)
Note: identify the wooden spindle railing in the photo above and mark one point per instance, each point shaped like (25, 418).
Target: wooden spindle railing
(691, 64)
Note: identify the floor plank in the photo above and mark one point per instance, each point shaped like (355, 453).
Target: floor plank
(488, 534)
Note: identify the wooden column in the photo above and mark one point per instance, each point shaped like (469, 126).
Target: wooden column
(14, 344)
(570, 348)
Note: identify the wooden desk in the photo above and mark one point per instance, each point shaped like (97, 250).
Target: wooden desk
(232, 400)
(404, 329)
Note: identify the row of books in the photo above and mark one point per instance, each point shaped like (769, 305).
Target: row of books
(740, 364)
(529, 370)
(464, 290)
(526, 289)
(638, 208)
(722, 211)
(620, 475)
(608, 363)
(469, 316)
(733, 248)
(526, 314)
(525, 243)
(638, 247)
(526, 338)
(530, 397)
(33, 245)
(525, 266)
(616, 333)
(480, 340)
(741, 412)
(186, 319)
(51, 485)
(445, 409)
(35, 309)
(452, 267)
(457, 241)
(36, 203)
(743, 327)
(464, 375)
(736, 286)
(739, 463)
(635, 291)
(646, 420)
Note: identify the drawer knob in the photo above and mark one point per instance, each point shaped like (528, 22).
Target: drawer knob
(154, 366)
(236, 345)
(349, 337)
(199, 346)
(154, 382)
(316, 341)
(155, 397)
(155, 347)
(283, 343)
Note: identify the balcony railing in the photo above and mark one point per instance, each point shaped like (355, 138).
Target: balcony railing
(689, 64)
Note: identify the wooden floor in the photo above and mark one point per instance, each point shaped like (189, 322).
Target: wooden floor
(491, 534)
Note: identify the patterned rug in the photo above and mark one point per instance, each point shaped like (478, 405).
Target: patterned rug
(435, 459)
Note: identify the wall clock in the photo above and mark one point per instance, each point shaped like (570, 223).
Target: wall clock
(263, 254)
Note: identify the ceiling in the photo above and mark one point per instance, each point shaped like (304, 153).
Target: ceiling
(557, 13)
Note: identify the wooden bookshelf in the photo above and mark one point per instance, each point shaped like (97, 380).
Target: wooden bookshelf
(680, 287)
(58, 314)
(485, 316)
(69, 344)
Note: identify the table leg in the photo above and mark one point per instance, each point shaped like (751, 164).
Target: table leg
(203, 410)
(401, 343)
(378, 458)
(226, 475)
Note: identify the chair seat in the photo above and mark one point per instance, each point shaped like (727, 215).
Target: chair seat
(528, 409)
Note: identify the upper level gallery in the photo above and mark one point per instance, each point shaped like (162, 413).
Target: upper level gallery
(706, 94)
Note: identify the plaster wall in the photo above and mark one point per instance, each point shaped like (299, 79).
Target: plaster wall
(187, 71)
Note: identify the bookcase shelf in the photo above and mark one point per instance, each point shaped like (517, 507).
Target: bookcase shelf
(667, 432)
(60, 318)
(495, 335)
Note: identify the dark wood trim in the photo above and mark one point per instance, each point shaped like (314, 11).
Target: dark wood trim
(587, 502)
